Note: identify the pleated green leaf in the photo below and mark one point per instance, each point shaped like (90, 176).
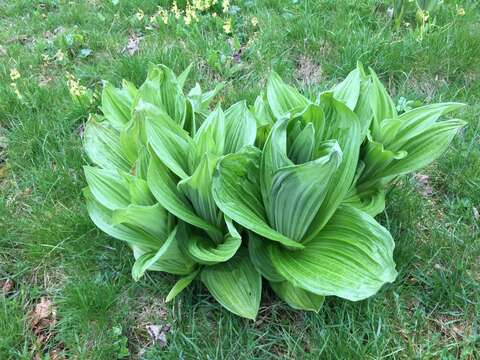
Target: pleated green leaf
(303, 147)
(424, 148)
(273, 157)
(101, 143)
(235, 284)
(259, 255)
(116, 105)
(236, 190)
(140, 193)
(283, 99)
(163, 185)
(352, 257)
(240, 127)
(200, 248)
(342, 125)
(109, 187)
(370, 201)
(298, 192)
(170, 142)
(102, 218)
(201, 100)
(381, 104)
(416, 121)
(181, 284)
(162, 89)
(182, 78)
(198, 189)
(210, 137)
(348, 90)
(298, 298)
(153, 219)
(167, 258)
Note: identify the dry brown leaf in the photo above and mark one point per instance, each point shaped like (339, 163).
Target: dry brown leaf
(158, 333)
(423, 185)
(133, 44)
(7, 286)
(308, 72)
(43, 317)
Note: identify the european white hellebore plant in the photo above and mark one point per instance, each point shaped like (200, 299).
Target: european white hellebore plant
(285, 191)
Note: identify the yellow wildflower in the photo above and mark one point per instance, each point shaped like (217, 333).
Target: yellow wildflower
(225, 5)
(14, 74)
(59, 55)
(254, 21)
(163, 14)
(14, 87)
(176, 12)
(140, 14)
(461, 11)
(74, 87)
(214, 14)
(227, 26)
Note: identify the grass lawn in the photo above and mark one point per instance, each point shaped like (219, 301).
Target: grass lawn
(55, 256)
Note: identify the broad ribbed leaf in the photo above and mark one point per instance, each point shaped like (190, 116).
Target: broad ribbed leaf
(130, 139)
(298, 298)
(381, 103)
(163, 185)
(363, 109)
(101, 143)
(162, 89)
(182, 78)
(240, 127)
(370, 201)
(140, 193)
(109, 187)
(342, 125)
(274, 157)
(282, 98)
(170, 142)
(210, 137)
(198, 189)
(203, 250)
(201, 100)
(235, 284)
(348, 90)
(426, 147)
(298, 191)
(181, 284)
(154, 219)
(167, 258)
(259, 255)
(352, 257)
(303, 147)
(102, 218)
(236, 190)
(314, 115)
(376, 159)
(116, 105)
(416, 121)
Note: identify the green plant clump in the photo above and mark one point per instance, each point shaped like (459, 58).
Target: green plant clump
(285, 190)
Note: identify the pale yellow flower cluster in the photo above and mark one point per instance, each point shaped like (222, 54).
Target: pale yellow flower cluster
(189, 13)
(140, 15)
(74, 87)
(15, 75)
(227, 26)
(162, 13)
(225, 5)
